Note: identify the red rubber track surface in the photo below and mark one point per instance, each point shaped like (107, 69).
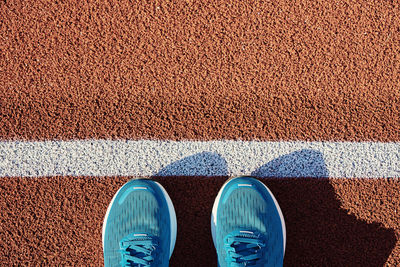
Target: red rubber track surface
(200, 70)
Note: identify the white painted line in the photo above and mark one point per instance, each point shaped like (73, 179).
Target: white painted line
(199, 158)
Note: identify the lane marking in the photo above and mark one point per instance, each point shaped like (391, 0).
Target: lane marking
(199, 158)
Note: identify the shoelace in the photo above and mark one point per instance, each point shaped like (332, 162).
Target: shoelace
(244, 249)
(137, 250)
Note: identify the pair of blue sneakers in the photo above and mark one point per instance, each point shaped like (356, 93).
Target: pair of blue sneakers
(247, 225)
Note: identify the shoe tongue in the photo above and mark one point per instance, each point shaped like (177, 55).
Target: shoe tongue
(139, 237)
(246, 234)
(246, 244)
(147, 240)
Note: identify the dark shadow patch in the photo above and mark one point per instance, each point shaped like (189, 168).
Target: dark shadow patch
(321, 233)
(204, 163)
(302, 163)
(193, 197)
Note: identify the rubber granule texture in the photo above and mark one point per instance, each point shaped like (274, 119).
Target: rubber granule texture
(200, 70)
(274, 70)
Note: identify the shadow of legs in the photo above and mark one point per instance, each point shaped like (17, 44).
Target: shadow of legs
(319, 231)
(193, 197)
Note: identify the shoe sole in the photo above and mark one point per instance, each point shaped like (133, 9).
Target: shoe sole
(171, 211)
(215, 209)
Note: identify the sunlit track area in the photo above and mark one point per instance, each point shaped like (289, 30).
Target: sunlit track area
(302, 95)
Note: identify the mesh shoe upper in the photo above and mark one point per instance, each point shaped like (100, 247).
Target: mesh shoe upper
(138, 211)
(246, 207)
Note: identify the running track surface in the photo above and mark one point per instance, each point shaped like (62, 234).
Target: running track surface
(272, 71)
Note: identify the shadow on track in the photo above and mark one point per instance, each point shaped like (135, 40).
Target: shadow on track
(193, 197)
(319, 231)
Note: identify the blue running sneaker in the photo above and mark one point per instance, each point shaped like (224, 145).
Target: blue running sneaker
(139, 228)
(247, 225)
